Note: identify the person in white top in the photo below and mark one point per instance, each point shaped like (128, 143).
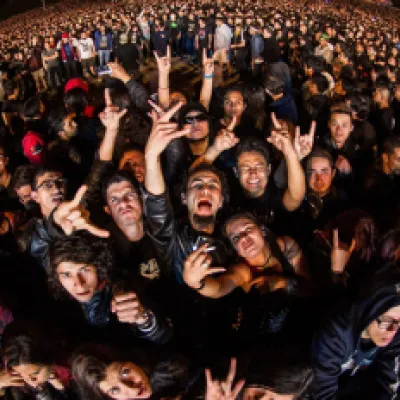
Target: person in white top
(222, 43)
(86, 54)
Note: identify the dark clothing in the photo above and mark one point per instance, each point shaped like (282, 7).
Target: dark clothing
(383, 122)
(340, 356)
(128, 57)
(160, 41)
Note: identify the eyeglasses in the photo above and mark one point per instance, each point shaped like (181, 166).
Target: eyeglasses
(388, 324)
(51, 183)
(198, 118)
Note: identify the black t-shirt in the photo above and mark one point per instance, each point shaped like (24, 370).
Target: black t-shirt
(128, 56)
(203, 35)
(191, 28)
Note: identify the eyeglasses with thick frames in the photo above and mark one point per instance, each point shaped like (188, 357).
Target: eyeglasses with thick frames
(198, 118)
(389, 324)
(49, 184)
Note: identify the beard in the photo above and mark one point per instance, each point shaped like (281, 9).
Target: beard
(203, 222)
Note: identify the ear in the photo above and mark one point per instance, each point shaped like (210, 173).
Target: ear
(107, 210)
(385, 158)
(183, 198)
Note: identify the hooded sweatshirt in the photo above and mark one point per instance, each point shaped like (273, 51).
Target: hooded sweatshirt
(340, 354)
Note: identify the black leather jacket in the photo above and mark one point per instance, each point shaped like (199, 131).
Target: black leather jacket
(174, 240)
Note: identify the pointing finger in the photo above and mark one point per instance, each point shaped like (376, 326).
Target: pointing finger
(169, 52)
(168, 115)
(76, 201)
(335, 238)
(96, 231)
(313, 127)
(232, 124)
(277, 125)
(155, 106)
(107, 97)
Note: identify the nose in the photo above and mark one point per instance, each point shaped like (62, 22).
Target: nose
(79, 280)
(131, 388)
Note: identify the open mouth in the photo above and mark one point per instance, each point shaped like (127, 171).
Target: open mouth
(204, 207)
(58, 198)
(82, 294)
(253, 182)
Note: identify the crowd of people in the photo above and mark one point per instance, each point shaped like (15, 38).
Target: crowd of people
(239, 240)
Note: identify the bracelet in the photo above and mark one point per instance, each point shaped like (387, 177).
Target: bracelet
(164, 88)
(202, 284)
(148, 324)
(208, 76)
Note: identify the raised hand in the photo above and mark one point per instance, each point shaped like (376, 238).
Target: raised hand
(197, 267)
(111, 116)
(208, 64)
(223, 390)
(163, 131)
(303, 144)
(8, 379)
(128, 309)
(118, 72)
(226, 139)
(164, 63)
(71, 216)
(340, 256)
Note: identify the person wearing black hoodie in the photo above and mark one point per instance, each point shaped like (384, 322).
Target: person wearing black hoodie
(357, 354)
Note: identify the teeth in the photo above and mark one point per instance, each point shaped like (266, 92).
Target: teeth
(254, 182)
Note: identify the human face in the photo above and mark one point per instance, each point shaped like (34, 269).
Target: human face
(393, 162)
(341, 126)
(254, 393)
(234, 105)
(125, 381)
(124, 205)
(34, 375)
(49, 192)
(24, 193)
(70, 127)
(204, 195)
(199, 128)
(79, 280)
(246, 237)
(253, 173)
(320, 175)
(134, 162)
(380, 331)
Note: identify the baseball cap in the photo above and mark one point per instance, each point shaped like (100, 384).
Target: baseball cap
(33, 147)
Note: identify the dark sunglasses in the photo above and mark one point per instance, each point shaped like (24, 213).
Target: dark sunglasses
(199, 118)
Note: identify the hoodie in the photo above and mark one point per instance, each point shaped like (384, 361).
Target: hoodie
(340, 356)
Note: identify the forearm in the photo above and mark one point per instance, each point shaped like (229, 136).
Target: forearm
(163, 90)
(209, 157)
(296, 182)
(206, 91)
(107, 146)
(156, 329)
(154, 178)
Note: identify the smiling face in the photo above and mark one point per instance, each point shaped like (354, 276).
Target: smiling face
(203, 197)
(246, 237)
(125, 381)
(79, 280)
(253, 173)
(380, 331)
(341, 127)
(124, 205)
(33, 375)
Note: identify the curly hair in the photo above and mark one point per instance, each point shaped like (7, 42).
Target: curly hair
(80, 248)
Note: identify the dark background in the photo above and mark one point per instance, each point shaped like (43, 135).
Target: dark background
(9, 8)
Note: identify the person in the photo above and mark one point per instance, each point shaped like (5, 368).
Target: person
(103, 46)
(356, 352)
(51, 64)
(222, 43)
(86, 54)
(68, 47)
(324, 50)
(81, 266)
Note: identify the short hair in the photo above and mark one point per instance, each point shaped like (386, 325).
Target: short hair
(81, 248)
(117, 176)
(320, 153)
(274, 85)
(130, 147)
(211, 168)
(235, 217)
(321, 82)
(316, 63)
(55, 121)
(391, 144)
(75, 101)
(361, 105)
(40, 171)
(252, 144)
(341, 108)
(22, 176)
(32, 107)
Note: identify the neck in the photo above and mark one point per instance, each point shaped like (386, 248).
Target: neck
(5, 178)
(209, 229)
(200, 147)
(383, 105)
(133, 232)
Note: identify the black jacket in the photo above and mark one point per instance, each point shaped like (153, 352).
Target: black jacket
(339, 355)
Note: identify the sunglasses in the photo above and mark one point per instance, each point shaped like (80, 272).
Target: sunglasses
(198, 118)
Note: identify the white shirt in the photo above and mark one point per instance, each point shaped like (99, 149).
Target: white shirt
(223, 37)
(86, 48)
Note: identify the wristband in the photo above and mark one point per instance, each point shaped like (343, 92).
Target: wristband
(164, 88)
(208, 76)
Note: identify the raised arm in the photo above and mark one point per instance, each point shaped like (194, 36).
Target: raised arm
(164, 67)
(162, 133)
(296, 189)
(207, 86)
